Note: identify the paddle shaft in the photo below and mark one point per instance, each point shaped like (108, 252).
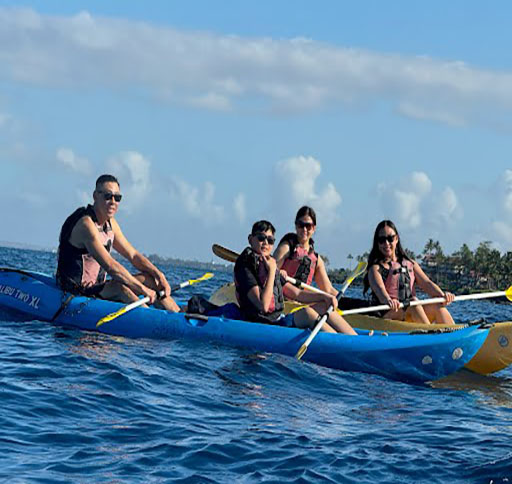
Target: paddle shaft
(144, 300)
(421, 302)
(317, 328)
(357, 271)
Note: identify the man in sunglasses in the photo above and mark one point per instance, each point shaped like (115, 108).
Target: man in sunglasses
(84, 259)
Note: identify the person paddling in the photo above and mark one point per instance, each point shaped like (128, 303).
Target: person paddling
(392, 277)
(260, 289)
(296, 253)
(86, 240)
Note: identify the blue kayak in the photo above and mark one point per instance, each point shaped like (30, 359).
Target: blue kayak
(402, 356)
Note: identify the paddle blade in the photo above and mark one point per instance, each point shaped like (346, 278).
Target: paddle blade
(224, 253)
(301, 351)
(111, 316)
(360, 268)
(205, 277)
(508, 293)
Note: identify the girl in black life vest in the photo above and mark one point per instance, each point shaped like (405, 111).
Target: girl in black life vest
(392, 277)
(296, 253)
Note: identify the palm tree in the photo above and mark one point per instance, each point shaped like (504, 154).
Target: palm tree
(363, 257)
(464, 264)
(505, 270)
(483, 261)
(429, 247)
(350, 257)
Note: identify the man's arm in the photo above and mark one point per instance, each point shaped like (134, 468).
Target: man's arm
(139, 261)
(86, 232)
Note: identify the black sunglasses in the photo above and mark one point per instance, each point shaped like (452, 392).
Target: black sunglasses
(263, 237)
(109, 196)
(383, 238)
(304, 225)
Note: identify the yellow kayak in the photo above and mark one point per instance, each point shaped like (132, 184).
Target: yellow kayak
(494, 355)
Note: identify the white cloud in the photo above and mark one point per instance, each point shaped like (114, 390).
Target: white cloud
(216, 71)
(239, 206)
(503, 231)
(295, 185)
(132, 170)
(212, 101)
(75, 163)
(445, 208)
(429, 113)
(402, 201)
(507, 188)
(411, 202)
(502, 226)
(197, 202)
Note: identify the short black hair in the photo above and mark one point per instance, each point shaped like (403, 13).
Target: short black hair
(262, 226)
(105, 179)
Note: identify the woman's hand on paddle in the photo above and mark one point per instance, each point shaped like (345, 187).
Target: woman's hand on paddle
(394, 304)
(331, 301)
(449, 298)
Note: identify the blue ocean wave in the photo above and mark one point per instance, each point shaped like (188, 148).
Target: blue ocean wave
(80, 406)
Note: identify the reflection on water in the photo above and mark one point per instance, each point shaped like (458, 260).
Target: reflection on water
(493, 390)
(96, 346)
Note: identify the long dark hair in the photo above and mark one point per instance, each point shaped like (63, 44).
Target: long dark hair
(306, 211)
(375, 256)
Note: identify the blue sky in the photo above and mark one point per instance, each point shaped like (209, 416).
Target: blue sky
(216, 114)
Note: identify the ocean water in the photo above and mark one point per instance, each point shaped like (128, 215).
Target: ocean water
(84, 407)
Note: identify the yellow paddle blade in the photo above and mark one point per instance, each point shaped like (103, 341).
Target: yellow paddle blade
(360, 268)
(205, 277)
(298, 308)
(301, 352)
(111, 316)
(508, 293)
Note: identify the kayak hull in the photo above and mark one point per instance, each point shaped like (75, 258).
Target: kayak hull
(417, 358)
(494, 355)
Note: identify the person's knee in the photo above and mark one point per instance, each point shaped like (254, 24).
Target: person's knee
(126, 293)
(146, 279)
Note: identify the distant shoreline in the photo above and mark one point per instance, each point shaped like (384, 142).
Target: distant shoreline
(19, 245)
(156, 259)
